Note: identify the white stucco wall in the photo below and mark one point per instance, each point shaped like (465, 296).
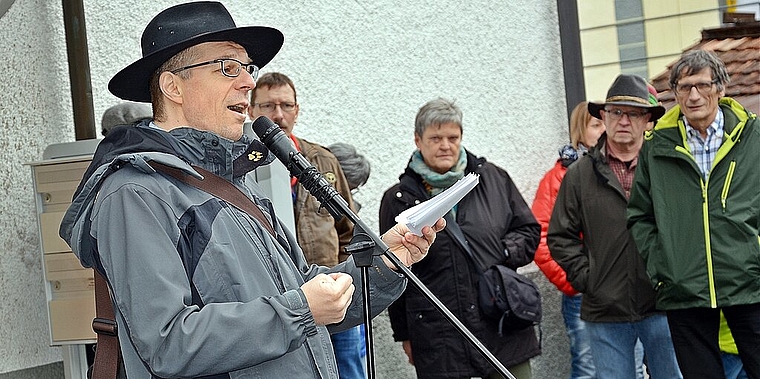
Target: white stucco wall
(35, 109)
(361, 68)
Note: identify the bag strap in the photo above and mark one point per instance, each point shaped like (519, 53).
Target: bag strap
(456, 233)
(107, 353)
(220, 188)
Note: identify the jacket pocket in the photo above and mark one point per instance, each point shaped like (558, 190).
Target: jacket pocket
(425, 323)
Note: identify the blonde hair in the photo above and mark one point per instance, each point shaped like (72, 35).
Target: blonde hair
(579, 119)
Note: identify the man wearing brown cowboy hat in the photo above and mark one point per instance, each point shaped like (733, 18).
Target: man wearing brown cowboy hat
(199, 287)
(589, 238)
(695, 214)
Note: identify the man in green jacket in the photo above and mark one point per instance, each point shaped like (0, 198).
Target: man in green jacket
(694, 213)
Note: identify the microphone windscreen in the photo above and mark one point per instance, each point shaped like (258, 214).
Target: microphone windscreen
(264, 128)
(275, 139)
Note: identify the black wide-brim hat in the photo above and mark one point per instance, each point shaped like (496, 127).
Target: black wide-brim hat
(185, 25)
(630, 90)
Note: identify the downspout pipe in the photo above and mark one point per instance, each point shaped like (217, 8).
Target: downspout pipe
(572, 59)
(79, 69)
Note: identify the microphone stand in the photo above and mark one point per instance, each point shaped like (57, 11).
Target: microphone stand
(364, 246)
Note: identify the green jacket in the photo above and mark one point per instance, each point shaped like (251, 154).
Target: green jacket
(699, 238)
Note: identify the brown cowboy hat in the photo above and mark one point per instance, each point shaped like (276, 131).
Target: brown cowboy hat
(183, 26)
(630, 90)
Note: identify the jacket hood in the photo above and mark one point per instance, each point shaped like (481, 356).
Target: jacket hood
(137, 146)
(196, 147)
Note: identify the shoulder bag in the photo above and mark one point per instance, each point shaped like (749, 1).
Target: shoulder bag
(503, 294)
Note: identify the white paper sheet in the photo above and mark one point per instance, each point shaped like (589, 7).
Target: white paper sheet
(428, 212)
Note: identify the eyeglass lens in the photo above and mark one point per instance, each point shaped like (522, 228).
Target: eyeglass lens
(229, 67)
(701, 87)
(270, 107)
(232, 67)
(617, 114)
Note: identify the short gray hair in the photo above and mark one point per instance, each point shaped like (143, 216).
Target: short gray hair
(125, 113)
(355, 166)
(184, 57)
(694, 61)
(437, 112)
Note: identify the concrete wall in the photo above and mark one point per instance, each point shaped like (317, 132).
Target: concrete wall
(362, 69)
(35, 110)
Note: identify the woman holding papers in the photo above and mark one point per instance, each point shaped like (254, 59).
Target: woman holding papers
(496, 223)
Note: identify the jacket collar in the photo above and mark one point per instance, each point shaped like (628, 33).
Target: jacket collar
(196, 147)
(735, 119)
(602, 170)
(734, 112)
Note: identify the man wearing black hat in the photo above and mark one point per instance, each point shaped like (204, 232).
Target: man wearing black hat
(589, 238)
(199, 287)
(695, 216)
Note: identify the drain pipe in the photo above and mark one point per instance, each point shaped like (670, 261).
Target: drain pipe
(79, 69)
(572, 60)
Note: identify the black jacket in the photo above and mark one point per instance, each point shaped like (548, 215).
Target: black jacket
(494, 217)
(603, 264)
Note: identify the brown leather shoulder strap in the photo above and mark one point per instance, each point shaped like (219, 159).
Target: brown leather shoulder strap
(107, 353)
(220, 188)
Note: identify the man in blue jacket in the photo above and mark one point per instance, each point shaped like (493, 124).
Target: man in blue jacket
(694, 213)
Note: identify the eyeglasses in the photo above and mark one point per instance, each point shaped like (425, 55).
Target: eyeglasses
(702, 87)
(617, 114)
(230, 67)
(271, 107)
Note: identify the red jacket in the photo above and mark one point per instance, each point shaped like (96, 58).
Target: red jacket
(542, 210)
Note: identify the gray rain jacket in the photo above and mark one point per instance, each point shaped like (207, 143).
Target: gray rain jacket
(199, 287)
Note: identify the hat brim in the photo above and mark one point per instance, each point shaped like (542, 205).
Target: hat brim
(133, 82)
(655, 110)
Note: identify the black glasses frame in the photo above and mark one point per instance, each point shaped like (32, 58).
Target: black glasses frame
(250, 68)
(617, 114)
(287, 107)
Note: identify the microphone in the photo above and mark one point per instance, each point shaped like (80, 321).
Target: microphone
(282, 147)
